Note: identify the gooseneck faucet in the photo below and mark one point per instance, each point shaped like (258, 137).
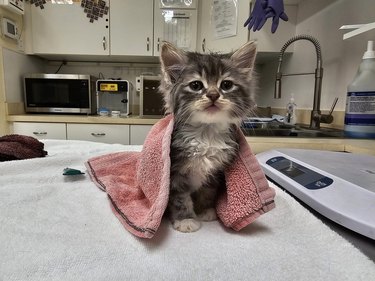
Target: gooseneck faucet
(316, 116)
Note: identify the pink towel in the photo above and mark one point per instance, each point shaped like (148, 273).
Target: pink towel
(137, 184)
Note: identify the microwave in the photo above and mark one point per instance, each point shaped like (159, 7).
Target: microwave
(60, 93)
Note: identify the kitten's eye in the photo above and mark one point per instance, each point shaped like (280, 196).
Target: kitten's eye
(196, 85)
(226, 85)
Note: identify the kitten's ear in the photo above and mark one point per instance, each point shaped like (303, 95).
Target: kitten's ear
(172, 60)
(244, 57)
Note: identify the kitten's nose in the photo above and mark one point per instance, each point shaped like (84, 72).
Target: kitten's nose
(213, 95)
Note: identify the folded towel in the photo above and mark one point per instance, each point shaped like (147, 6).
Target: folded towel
(137, 184)
(17, 147)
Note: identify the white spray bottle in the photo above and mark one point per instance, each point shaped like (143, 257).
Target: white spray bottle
(360, 101)
(290, 116)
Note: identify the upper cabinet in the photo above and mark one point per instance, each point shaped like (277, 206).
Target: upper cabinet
(138, 27)
(63, 29)
(131, 27)
(175, 21)
(221, 27)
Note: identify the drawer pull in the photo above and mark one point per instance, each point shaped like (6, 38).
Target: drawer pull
(40, 133)
(98, 134)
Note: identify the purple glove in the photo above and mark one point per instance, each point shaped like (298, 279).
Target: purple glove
(276, 7)
(258, 16)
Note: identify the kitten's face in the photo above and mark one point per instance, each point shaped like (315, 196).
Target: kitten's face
(208, 88)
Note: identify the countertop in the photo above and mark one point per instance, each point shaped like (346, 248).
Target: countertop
(363, 146)
(258, 144)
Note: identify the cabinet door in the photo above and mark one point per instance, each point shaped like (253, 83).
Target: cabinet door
(41, 130)
(131, 27)
(99, 133)
(65, 29)
(138, 133)
(209, 40)
(177, 26)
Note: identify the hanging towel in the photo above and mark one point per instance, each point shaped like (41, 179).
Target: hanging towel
(17, 147)
(137, 184)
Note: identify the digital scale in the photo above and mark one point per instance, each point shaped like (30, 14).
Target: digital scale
(338, 185)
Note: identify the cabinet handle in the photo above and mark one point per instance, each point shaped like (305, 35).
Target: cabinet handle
(98, 134)
(204, 45)
(104, 43)
(148, 44)
(158, 44)
(40, 133)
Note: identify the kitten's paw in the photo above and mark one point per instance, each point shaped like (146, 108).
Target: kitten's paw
(187, 225)
(208, 215)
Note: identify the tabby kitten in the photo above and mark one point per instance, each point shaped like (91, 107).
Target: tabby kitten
(209, 95)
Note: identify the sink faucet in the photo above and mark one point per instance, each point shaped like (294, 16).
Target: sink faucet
(316, 116)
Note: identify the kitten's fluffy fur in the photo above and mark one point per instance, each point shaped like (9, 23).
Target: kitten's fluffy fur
(209, 95)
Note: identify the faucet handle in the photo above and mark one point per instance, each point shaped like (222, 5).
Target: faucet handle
(328, 118)
(333, 105)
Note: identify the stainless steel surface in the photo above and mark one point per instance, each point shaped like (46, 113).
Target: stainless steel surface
(57, 76)
(316, 116)
(277, 129)
(59, 110)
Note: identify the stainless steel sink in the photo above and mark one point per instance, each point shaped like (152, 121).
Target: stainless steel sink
(276, 129)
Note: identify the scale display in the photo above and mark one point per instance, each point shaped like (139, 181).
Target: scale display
(301, 174)
(112, 86)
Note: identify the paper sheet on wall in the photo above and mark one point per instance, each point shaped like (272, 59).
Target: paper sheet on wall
(224, 18)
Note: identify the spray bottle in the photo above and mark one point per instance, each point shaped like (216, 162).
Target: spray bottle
(360, 101)
(290, 116)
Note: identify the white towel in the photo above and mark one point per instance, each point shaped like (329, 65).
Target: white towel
(55, 227)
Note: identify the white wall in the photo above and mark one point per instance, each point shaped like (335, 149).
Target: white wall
(341, 58)
(16, 65)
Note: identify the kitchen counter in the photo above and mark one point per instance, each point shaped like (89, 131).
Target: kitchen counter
(363, 146)
(258, 144)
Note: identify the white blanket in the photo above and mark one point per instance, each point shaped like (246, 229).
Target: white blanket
(56, 227)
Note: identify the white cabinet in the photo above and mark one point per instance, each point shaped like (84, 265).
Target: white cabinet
(131, 29)
(138, 133)
(99, 133)
(64, 29)
(106, 133)
(41, 130)
(176, 25)
(267, 41)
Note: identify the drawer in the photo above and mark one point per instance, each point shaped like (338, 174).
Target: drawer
(41, 130)
(99, 133)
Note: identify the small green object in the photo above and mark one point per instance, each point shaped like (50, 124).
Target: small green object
(72, 172)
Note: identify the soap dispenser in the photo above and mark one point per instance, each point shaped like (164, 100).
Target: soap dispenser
(290, 116)
(360, 101)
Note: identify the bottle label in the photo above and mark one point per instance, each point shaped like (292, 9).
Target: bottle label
(360, 108)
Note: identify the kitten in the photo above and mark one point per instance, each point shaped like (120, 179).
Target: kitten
(209, 95)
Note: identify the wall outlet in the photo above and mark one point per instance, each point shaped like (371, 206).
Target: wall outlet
(20, 45)
(138, 83)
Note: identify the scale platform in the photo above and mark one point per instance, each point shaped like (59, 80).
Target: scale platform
(338, 185)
